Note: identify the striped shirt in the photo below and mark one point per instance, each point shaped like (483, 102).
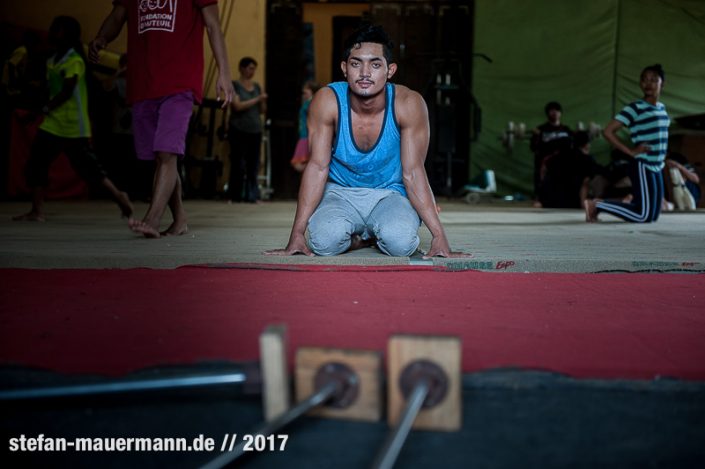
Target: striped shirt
(648, 124)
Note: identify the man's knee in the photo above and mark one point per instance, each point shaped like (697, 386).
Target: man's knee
(328, 237)
(398, 241)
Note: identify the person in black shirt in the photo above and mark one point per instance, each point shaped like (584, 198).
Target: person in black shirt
(568, 174)
(548, 140)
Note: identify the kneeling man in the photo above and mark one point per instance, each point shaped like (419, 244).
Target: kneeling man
(365, 182)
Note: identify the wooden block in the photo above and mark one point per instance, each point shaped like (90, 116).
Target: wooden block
(275, 376)
(442, 351)
(366, 364)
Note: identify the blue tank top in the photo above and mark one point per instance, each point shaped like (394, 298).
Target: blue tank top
(377, 168)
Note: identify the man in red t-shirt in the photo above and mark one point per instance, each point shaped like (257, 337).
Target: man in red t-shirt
(165, 77)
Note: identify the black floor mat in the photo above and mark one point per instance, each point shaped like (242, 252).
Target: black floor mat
(511, 419)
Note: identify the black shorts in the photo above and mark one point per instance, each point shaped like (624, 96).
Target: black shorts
(46, 147)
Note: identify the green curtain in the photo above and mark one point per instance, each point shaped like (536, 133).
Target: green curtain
(586, 54)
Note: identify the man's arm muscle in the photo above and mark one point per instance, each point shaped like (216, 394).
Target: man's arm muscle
(412, 117)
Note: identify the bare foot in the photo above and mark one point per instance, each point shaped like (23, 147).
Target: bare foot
(123, 201)
(358, 243)
(628, 198)
(143, 228)
(29, 216)
(176, 229)
(590, 211)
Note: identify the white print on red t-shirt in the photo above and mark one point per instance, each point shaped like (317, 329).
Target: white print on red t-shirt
(156, 15)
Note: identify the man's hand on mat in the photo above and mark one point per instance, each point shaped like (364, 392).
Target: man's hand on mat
(440, 248)
(297, 245)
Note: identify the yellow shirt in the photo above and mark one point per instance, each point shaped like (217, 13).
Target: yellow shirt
(70, 119)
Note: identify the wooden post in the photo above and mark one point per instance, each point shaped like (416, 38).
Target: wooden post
(275, 376)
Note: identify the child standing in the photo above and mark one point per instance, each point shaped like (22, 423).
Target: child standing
(648, 123)
(66, 126)
(301, 155)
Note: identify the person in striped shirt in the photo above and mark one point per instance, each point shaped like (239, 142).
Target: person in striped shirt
(648, 123)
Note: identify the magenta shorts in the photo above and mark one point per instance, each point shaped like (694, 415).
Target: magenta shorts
(300, 152)
(161, 124)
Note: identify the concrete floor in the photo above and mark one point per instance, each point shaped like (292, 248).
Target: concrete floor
(500, 236)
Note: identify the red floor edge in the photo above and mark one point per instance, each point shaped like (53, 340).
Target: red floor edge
(631, 326)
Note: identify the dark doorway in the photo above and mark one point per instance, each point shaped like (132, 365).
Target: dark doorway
(343, 26)
(286, 72)
(433, 47)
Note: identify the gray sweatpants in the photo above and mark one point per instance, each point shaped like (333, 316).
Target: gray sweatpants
(380, 213)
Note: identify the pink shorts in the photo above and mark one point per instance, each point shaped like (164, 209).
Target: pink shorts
(160, 125)
(300, 152)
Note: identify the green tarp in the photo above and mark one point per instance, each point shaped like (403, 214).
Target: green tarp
(586, 54)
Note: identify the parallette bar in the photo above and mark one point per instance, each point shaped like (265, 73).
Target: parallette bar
(123, 386)
(392, 445)
(318, 398)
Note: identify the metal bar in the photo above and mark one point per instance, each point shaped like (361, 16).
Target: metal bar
(316, 399)
(124, 386)
(389, 452)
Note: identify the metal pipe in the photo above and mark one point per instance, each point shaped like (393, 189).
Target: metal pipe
(131, 385)
(267, 428)
(389, 451)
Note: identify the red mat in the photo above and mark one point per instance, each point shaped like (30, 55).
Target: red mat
(635, 326)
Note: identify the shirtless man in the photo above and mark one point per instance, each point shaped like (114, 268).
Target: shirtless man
(372, 187)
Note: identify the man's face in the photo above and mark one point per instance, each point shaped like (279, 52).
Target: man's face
(651, 84)
(554, 115)
(366, 70)
(249, 71)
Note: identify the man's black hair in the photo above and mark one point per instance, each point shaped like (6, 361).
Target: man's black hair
(657, 69)
(72, 33)
(246, 62)
(552, 105)
(69, 25)
(368, 33)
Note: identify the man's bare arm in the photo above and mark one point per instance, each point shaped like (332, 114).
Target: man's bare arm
(321, 124)
(240, 105)
(412, 116)
(108, 32)
(223, 85)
